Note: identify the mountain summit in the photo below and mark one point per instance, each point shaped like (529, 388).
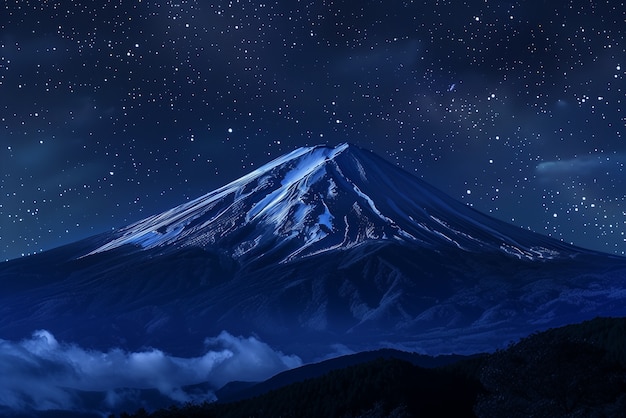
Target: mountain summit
(324, 246)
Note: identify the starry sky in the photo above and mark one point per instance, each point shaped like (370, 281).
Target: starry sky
(111, 111)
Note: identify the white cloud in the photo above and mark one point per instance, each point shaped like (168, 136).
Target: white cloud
(41, 373)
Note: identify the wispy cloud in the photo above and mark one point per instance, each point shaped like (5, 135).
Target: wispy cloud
(42, 373)
(584, 165)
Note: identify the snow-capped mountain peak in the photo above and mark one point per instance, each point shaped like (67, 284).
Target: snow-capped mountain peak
(320, 198)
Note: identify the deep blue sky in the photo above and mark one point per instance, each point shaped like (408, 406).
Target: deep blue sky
(114, 110)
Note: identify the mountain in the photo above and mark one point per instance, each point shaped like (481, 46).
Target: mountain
(315, 200)
(324, 247)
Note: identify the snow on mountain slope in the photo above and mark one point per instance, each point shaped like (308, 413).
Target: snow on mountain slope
(319, 199)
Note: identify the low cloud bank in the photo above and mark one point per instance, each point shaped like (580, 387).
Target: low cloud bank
(42, 373)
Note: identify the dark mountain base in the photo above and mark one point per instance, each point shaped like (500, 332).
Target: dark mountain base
(573, 371)
(378, 388)
(236, 391)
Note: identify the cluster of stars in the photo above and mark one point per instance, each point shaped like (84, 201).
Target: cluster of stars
(114, 110)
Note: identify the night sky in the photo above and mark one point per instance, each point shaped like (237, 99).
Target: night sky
(111, 111)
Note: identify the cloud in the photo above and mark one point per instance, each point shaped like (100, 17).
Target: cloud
(582, 166)
(42, 373)
(251, 358)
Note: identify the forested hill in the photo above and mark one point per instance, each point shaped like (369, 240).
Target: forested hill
(577, 370)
